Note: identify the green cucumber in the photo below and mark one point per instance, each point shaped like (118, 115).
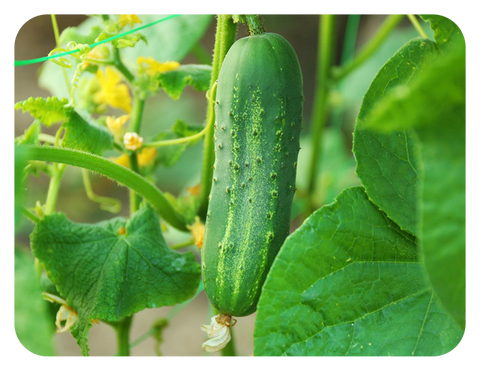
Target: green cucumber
(258, 108)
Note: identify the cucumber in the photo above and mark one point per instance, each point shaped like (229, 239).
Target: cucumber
(258, 108)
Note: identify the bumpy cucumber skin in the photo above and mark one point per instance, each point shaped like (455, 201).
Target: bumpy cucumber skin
(259, 105)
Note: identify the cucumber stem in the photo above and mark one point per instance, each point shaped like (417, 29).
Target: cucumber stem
(255, 26)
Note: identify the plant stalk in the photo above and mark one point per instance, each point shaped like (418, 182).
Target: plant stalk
(113, 171)
(254, 23)
(117, 62)
(224, 39)
(371, 47)
(122, 329)
(135, 124)
(325, 59)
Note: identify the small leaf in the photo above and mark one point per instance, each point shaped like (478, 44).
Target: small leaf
(49, 110)
(129, 41)
(113, 269)
(82, 133)
(174, 82)
(30, 137)
(347, 282)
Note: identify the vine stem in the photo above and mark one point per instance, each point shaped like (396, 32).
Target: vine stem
(177, 141)
(417, 25)
(113, 171)
(135, 124)
(326, 50)
(370, 48)
(224, 39)
(57, 42)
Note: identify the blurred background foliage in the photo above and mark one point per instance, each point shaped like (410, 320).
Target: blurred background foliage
(337, 164)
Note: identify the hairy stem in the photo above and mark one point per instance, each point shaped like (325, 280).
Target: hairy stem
(53, 189)
(224, 39)
(114, 171)
(254, 23)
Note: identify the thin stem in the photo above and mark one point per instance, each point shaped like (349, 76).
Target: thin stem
(177, 141)
(174, 312)
(137, 113)
(122, 329)
(188, 243)
(43, 137)
(417, 25)
(53, 189)
(57, 42)
(224, 39)
(135, 124)
(117, 62)
(326, 51)
(135, 199)
(111, 205)
(114, 171)
(30, 215)
(348, 52)
(368, 50)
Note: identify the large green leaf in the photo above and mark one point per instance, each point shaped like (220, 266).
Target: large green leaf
(33, 325)
(387, 163)
(113, 269)
(435, 106)
(347, 282)
(82, 133)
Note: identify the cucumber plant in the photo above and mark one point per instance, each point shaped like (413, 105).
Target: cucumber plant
(377, 270)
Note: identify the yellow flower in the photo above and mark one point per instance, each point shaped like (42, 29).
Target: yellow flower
(115, 125)
(112, 91)
(132, 141)
(146, 156)
(123, 160)
(128, 19)
(198, 231)
(195, 190)
(151, 67)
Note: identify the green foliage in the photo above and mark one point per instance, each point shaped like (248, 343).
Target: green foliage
(33, 325)
(387, 164)
(436, 109)
(80, 35)
(173, 40)
(174, 82)
(348, 282)
(49, 110)
(445, 31)
(113, 269)
(30, 136)
(82, 133)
